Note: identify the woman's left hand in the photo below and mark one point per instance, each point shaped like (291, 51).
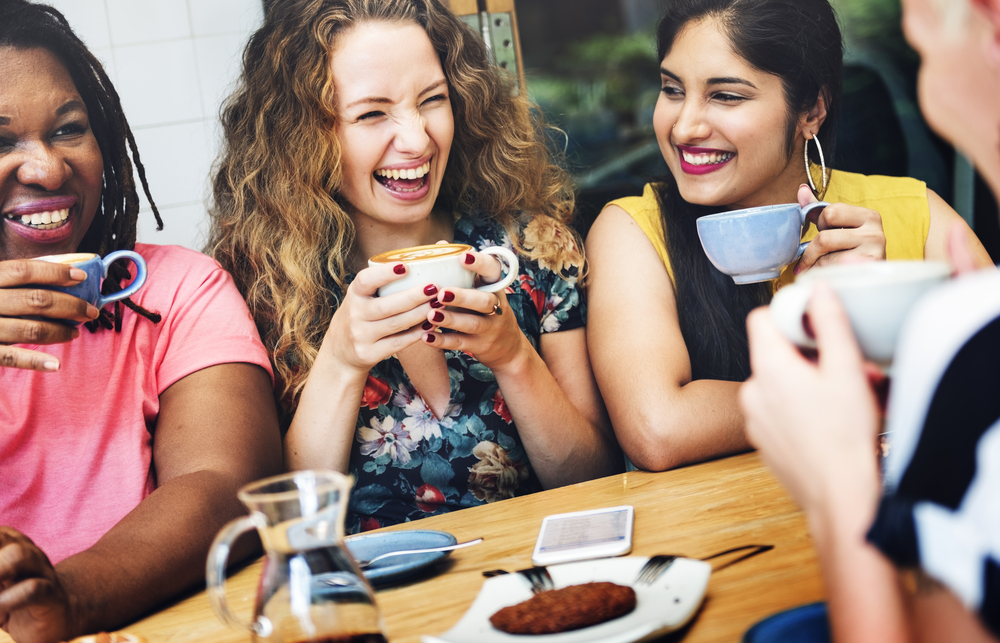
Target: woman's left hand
(34, 606)
(483, 322)
(845, 231)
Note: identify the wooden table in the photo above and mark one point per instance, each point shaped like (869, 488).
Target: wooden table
(695, 511)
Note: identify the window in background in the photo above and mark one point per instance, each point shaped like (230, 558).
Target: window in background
(591, 66)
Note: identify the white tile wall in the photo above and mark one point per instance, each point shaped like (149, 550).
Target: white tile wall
(173, 62)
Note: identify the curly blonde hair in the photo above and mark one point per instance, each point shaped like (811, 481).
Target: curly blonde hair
(278, 224)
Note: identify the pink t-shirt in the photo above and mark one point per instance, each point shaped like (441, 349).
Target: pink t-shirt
(76, 445)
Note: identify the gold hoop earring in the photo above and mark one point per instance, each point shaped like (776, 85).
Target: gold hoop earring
(822, 164)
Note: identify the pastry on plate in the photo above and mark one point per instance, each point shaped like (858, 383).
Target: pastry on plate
(565, 609)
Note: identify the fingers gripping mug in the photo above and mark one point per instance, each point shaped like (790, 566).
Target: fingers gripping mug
(754, 244)
(96, 268)
(876, 295)
(441, 264)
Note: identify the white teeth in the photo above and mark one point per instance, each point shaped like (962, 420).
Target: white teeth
(411, 173)
(44, 220)
(707, 159)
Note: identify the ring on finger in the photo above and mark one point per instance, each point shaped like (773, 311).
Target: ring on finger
(497, 310)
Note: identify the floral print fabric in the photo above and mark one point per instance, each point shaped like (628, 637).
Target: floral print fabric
(407, 463)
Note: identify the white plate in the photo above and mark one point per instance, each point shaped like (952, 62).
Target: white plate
(662, 607)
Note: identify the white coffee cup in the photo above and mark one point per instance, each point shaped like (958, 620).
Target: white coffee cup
(877, 296)
(441, 264)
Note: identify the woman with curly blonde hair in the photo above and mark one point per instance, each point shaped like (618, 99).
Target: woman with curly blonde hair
(363, 126)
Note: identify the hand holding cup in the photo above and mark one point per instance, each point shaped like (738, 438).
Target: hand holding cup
(29, 309)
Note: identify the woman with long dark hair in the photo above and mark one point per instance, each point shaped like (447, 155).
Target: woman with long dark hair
(746, 117)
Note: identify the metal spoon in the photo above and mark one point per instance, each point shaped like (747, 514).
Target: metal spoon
(363, 564)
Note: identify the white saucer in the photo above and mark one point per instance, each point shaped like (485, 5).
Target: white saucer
(662, 607)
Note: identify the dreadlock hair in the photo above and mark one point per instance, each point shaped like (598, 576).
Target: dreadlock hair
(799, 42)
(25, 25)
(279, 224)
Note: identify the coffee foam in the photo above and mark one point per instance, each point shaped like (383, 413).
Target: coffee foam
(76, 257)
(422, 253)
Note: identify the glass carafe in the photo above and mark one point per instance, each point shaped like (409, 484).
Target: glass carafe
(310, 587)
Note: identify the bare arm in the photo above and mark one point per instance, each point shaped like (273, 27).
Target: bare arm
(364, 331)
(216, 431)
(557, 408)
(662, 418)
(551, 393)
(816, 426)
(945, 221)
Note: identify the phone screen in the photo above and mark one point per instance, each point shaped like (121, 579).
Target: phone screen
(584, 531)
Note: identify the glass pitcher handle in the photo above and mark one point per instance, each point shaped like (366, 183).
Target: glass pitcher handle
(215, 577)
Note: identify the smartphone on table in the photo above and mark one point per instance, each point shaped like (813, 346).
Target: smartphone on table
(580, 535)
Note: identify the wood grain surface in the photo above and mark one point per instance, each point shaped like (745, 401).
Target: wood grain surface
(696, 511)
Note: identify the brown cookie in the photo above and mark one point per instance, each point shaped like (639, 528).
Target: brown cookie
(565, 609)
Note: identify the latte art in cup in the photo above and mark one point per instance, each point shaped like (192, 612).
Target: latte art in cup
(420, 253)
(441, 264)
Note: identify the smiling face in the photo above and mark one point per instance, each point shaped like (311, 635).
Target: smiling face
(51, 169)
(722, 125)
(394, 122)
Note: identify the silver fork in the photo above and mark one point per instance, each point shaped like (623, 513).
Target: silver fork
(539, 578)
(653, 568)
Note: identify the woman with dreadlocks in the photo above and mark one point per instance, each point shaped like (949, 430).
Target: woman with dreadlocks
(123, 442)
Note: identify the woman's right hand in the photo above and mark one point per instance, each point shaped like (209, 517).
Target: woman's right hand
(367, 329)
(18, 303)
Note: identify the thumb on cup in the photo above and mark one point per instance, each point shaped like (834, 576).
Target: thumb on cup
(838, 348)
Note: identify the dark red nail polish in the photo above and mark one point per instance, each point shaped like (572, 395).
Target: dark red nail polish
(436, 304)
(438, 317)
(399, 269)
(427, 325)
(448, 296)
(469, 259)
(431, 338)
(431, 289)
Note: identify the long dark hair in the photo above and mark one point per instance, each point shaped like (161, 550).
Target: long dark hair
(25, 25)
(799, 41)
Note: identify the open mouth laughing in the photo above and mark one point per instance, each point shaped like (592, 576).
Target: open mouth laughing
(404, 180)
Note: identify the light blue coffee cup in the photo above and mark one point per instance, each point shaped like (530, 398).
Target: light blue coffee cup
(96, 268)
(754, 244)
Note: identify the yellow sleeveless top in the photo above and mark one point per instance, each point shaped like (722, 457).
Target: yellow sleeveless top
(901, 202)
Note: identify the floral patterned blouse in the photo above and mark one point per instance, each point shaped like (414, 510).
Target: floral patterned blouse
(407, 463)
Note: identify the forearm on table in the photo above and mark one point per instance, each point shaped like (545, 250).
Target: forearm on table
(666, 426)
(154, 553)
(564, 445)
(321, 434)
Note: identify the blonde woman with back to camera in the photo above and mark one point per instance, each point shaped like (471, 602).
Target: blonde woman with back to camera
(364, 126)
(914, 556)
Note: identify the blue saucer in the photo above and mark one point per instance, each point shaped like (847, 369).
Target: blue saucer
(804, 624)
(398, 568)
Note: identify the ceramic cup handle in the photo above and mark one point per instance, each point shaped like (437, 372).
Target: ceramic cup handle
(788, 310)
(804, 214)
(506, 257)
(140, 277)
(215, 577)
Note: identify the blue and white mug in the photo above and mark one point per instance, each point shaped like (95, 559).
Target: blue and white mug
(96, 268)
(754, 244)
